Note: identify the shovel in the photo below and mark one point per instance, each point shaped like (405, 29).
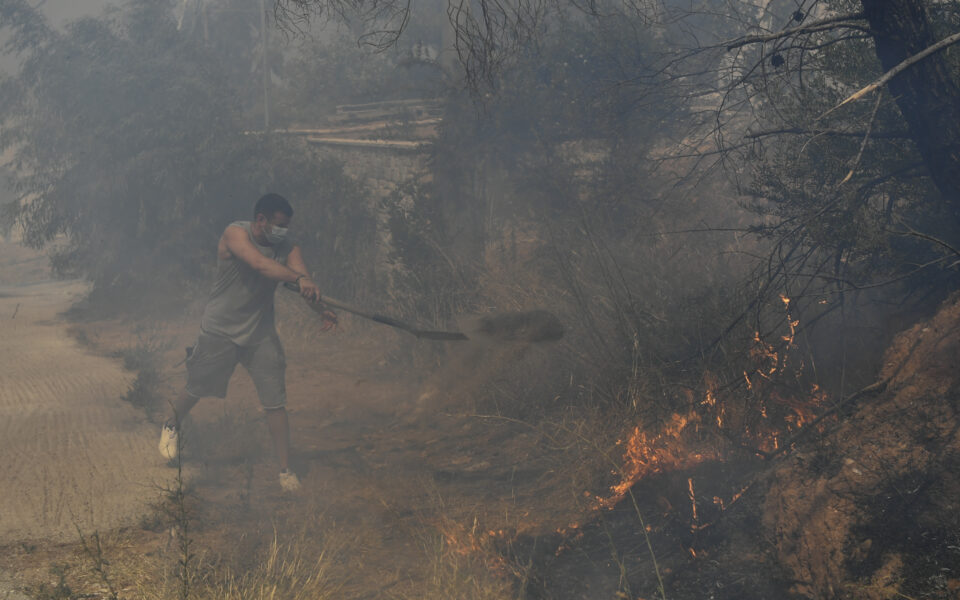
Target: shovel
(529, 326)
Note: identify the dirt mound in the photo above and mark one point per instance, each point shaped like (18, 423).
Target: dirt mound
(871, 510)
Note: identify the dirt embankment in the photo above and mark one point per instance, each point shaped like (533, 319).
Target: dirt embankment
(872, 510)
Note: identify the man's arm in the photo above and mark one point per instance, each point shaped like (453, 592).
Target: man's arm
(237, 242)
(295, 261)
(308, 289)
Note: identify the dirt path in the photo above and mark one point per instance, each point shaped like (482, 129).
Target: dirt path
(396, 485)
(74, 454)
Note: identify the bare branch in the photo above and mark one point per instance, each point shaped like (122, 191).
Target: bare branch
(886, 77)
(911, 232)
(863, 145)
(835, 132)
(838, 22)
(854, 286)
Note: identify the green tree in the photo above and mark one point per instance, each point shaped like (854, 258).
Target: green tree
(129, 149)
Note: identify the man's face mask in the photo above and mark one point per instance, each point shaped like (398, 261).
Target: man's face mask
(275, 234)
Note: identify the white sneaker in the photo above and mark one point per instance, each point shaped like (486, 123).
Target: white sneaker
(169, 441)
(289, 482)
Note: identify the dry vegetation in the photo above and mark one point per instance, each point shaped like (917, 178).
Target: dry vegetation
(731, 413)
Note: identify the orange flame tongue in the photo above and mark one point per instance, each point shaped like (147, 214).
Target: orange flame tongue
(693, 502)
(768, 415)
(645, 455)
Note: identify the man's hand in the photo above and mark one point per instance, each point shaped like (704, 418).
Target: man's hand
(309, 289)
(329, 319)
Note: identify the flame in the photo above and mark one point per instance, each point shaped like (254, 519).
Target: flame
(718, 501)
(646, 454)
(711, 385)
(760, 420)
(765, 356)
(475, 543)
(693, 502)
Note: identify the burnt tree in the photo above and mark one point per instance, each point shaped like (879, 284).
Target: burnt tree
(928, 93)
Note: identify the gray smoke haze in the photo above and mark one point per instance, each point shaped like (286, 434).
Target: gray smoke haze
(59, 12)
(676, 204)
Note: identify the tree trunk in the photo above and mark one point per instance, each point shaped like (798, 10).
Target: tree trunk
(927, 93)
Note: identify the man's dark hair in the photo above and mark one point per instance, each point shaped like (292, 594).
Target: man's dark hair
(270, 204)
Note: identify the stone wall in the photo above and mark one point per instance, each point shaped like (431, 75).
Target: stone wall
(382, 164)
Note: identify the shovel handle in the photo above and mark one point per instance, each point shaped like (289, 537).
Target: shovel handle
(390, 321)
(383, 319)
(293, 287)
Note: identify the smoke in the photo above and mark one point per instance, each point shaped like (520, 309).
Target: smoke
(593, 182)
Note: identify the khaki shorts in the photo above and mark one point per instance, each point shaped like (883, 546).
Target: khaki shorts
(215, 357)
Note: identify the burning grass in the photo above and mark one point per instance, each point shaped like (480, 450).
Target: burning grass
(748, 416)
(467, 563)
(679, 469)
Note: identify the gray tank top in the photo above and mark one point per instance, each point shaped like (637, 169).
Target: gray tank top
(240, 307)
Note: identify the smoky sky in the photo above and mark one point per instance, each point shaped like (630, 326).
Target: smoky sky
(60, 12)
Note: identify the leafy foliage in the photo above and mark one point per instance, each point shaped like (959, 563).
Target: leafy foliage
(130, 153)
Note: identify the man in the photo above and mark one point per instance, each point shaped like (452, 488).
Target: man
(238, 325)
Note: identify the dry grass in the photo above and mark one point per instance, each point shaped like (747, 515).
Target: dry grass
(297, 570)
(464, 573)
(304, 568)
